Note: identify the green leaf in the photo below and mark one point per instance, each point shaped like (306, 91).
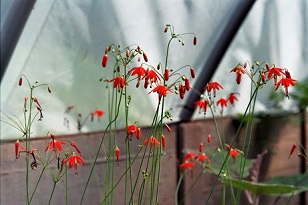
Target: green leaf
(283, 186)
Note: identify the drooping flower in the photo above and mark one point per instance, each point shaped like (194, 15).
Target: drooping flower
(275, 72)
(119, 82)
(239, 70)
(232, 152)
(98, 112)
(73, 144)
(54, 144)
(285, 82)
(74, 160)
(133, 129)
(232, 98)
(190, 156)
(202, 104)
(187, 165)
(161, 90)
(212, 86)
(139, 71)
(182, 91)
(150, 77)
(152, 141)
(17, 146)
(203, 157)
(222, 102)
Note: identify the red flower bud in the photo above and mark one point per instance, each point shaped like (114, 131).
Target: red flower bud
(138, 133)
(163, 142)
(117, 152)
(105, 60)
(195, 40)
(127, 53)
(145, 57)
(166, 74)
(192, 72)
(168, 128)
(292, 150)
(201, 147)
(166, 29)
(49, 89)
(20, 81)
(209, 138)
(187, 84)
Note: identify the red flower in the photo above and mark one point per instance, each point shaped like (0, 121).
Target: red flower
(119, 82)
(161, 91)
(213, 86)
(150, 77)
(131, 129)
(182, 91)
(98, 112)
(203, 157)
(139, 71)
(17, 146)
(190, 156)
(187, 84)
(74, 160)
(232, 152)
(285, 82)
(73, 144)
(232, 98)
(239, 70)
(54, 144)
(202, 104)
(152, 140)
(187, 165)
(274, 72)
(222, 102)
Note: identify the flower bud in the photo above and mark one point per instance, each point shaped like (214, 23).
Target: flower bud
(166, 74)
(192, 72)
(195, 40)
(201, 147)
(117, 152)
(163, 142)
(145, 57)
(20, 81)
(105, 60)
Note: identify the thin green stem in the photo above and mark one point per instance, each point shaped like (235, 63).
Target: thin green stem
(231, 145)
(52, 192)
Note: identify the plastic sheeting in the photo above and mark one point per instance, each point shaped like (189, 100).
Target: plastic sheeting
(64, 41)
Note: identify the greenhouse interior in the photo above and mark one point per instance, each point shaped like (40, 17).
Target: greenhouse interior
(223, 117)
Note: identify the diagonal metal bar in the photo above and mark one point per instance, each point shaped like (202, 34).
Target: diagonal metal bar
(12, 29)
(225, 36)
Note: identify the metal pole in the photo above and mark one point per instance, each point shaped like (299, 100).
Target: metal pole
(210, 65)
(12, 29)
